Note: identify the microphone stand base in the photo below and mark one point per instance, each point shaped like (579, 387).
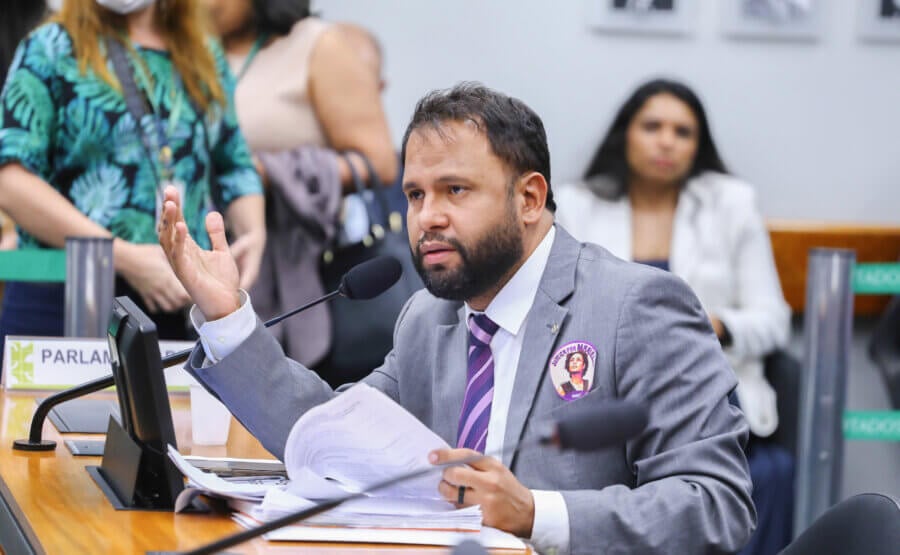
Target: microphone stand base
(28, 445)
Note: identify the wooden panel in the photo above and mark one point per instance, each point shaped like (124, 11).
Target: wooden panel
(64, 511)
(791, 242)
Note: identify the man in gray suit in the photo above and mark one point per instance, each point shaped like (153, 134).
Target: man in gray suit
(479, 356)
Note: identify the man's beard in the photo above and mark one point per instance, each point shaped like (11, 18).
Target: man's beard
(482, 266)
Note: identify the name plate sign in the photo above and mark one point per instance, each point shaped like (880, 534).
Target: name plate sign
(48, 363)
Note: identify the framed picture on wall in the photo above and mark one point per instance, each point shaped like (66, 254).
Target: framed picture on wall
(652, 17)
(773, 19)
(879, 20)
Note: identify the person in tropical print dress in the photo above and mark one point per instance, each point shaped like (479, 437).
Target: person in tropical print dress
(75, 162)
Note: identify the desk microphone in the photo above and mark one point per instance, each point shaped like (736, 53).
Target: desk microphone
(588, 429)
(363, 281)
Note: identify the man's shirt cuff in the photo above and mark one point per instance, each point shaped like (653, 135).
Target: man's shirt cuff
(221, 337)
(550, 532)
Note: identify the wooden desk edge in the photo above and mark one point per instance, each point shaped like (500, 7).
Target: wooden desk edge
(16, 533)
(837, 227)
(791, 241)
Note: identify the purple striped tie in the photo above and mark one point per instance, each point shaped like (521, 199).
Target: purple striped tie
(476, 408)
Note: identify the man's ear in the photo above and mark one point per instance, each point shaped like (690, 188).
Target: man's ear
(532, 191)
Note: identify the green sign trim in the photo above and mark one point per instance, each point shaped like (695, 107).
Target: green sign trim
(33, 265)
(872, 425)
(876, 279)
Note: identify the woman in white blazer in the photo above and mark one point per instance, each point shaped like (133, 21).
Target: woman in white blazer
(657, 192)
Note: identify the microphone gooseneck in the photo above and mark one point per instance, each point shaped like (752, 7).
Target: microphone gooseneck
(35, 441)
(628, 417)
(363, 281)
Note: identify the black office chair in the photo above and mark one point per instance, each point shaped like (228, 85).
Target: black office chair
(884, 349)
(865, 524)
(784, 371)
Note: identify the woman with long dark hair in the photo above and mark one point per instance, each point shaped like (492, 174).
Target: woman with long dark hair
(75, 162)
(657, 192)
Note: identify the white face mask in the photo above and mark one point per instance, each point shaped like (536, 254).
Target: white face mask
(125, 6)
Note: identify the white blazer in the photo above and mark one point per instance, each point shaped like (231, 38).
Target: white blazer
(721, 248)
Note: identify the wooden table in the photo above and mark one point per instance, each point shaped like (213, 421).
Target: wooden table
(51, 505)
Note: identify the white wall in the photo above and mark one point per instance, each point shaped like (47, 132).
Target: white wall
(814, 126)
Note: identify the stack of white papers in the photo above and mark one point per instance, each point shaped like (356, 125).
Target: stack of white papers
(358, 439)
(249, 488)
(488, 537)
(373, 512)
(361, 438)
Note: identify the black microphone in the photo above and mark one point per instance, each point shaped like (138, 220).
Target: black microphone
(619, 421)
(363, 281)
(590, 428)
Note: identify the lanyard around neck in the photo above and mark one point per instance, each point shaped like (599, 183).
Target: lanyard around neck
(159, 141)
(254, 50)
(155, 140)
(145, 81)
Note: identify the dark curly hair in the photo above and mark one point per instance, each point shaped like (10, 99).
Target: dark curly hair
(515, 132)
(584, 357)
(276, 17)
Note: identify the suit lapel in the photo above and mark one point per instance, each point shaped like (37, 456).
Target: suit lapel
(617, 229)
(544, 321)
(685, 249)
(450, 377)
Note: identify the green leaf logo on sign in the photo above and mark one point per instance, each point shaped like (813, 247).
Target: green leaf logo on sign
(22, 369)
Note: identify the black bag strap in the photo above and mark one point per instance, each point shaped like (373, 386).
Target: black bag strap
(358, 183)
(378, 192)
(138, 107)
(134, 100)
(376, 231)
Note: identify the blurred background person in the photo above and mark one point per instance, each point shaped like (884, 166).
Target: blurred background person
(73, 161)
(354, 219)
(658, 193)
(305, 92)
(367, 48)
(8, 238)
(19, 17)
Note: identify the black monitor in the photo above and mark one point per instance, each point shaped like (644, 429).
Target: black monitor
(135, 461)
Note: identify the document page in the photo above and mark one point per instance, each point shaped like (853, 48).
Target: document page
(488, 537)
(374, 512)
(360, 438)
(241, 489)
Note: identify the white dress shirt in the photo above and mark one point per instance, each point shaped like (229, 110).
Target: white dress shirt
(509, 310)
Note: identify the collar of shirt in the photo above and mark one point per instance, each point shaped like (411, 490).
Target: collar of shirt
(512, 303)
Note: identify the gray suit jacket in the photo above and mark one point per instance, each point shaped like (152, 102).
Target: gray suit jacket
(682, 486)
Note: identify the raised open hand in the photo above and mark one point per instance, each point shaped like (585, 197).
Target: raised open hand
(209, 276)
